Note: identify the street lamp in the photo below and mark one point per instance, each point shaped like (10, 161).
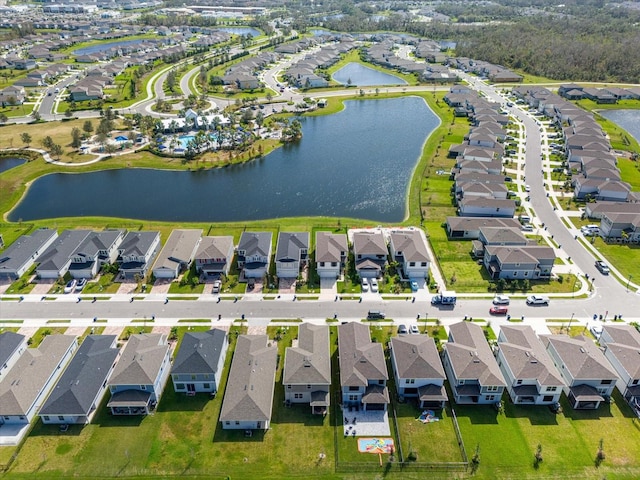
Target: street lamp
(629, 281)
(569, 327)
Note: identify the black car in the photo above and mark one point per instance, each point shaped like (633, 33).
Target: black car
(375, 315)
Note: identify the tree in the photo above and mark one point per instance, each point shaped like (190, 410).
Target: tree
(76, 137)
(3, 118)
(56, 151)
(47, 142)
(68, 113)
(26, 138)
(87, 127)
(36, 116)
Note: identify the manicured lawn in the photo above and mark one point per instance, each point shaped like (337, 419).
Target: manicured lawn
(103, 284)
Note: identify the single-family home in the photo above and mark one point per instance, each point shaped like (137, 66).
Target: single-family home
(531, 377)
(292, 253)
(620, 226)
(248, 397)
(12, 345)
(370, 252)
(473, 373)
(12, 95)
(96, 250)
(56, 259)
(140, 375)
(307, 368)
(363, 370)
(214, 255)
(20, 256)
(80, 389)
(27, 384)
(136, 253)
(409, 248)
(418, 370)
(530, 261)
(486, 207)
(177, 254)
(198, 365)
(588, 375)
(468, 228)
(331, 254)
(622, 348)
(254, 254)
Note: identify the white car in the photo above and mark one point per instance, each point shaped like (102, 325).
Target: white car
(413, 329)
(365, 285)
(70, 286)
(501, 300)
(374, 285)
(537, 300)
(527, 188)
(596, 330)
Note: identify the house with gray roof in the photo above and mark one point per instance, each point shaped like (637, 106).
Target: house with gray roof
(199, 363)
(468, 228)
(20, 256)
(409, 248)
(475, 206)
(531, 377)
(292, 252)
(530, 261)
(27, 384)
(177, 254)
(80, 389)
(136, 253)
(254, 254)
(418, 370)
(588, 375)
(622, 348)
(214, 255)
(331, 254)
(307, 368)
(620, 225)
(473, 373)
(363, 369)
(56, 259)
(248, 397)
(12, 345)
(370, 252)
(96, 250)
(142, 371)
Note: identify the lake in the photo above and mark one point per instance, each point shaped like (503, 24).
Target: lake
(355, 163)
(362, 76)
(241, 31)
(627, 119)
(9, 162)
(103, 47)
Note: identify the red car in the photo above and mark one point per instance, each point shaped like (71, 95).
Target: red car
(498, 310)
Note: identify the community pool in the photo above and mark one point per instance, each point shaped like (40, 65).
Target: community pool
(184, 140)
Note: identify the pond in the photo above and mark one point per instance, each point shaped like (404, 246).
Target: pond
(627, 119)
(103, 47)
(241, 31)
(9, 162)
(356, 163)
(362, 76)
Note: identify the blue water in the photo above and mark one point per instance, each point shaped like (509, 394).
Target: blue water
(241, 31)
(627, 119)
(9, 162)
(103, 46)
(356, 163)
(362, 76)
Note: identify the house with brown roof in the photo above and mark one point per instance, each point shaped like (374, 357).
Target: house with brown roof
(370, 252)
(409, 248)
(530, 261)
(331, 254)
(468, 228)
(177, 254)
(214, 255)
(622, 348)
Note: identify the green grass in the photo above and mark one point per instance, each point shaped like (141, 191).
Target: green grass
(103, 284)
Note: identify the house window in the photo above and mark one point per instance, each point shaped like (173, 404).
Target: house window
(606, 382)
(353, 398)
(309, 387)
(423, 264)
(412, 264)
(46, 418)
(193, 377)
(547, 398)
(298, 395)
(179, 386)
(410, 380)
(207, 386)
(61, 417)
(143, 387)
(354, 389)
(492, 388)
(288, 387)
(635, 382)
(552, 389)
(519, 382)
(237, 422)
(491, 397)
(380, 382)
(526, 274)
(322, 264)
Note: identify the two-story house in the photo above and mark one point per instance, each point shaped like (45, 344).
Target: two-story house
(254, 254)
(136, 252)
(80, 389)
(56, 259)
(473, 373)
(418, 370)
(409, 248)
(622, 348)
(291, 253)
(177, 253)
(363, 370)
(531, 377)
(96, 250)
(198, 365)
(214, 255)
(370, 252)
(140, 375)
(588, 375)
(12, 345)
(531, 262)
(331, 254)
(20, 256)
(307, 368)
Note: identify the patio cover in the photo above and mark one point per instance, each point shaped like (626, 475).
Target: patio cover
(129, 398)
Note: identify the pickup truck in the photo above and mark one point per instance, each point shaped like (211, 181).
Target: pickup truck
(444, 298)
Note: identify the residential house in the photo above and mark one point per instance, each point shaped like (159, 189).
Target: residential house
(248, 398)
(473, 373)
(199, 363)
(177, 254)
(531, 377)
(363, 370)
(27, 384)
(588, 375)
(80, 389)
(531, 261)
(331, 254)
(468, 228)
(409, 248)
(307, 368)
(214, 255)
(486, 207)
(622, 226)
(136, 252)
(418, 370)
(56, 259)
(12, 95)
(254, 254)
(140, 375)
(97, 249)
(622, 348)
(20, 256)
(12, 345)
(370, 252)
(292, 253)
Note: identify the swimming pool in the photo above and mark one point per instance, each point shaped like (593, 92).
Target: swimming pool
(185, 139)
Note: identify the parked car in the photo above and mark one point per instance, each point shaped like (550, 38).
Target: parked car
(402, 328)
(537, 300)
(527, 188)
(70, 286)
(527, 228)
(596, 330)
(216, 286)
(375, 315)
(498, 310)
(80, 285)
(365, 285)
(413, 328)
(374, 285)
(414, 286)
(603, 267)
(501, 300)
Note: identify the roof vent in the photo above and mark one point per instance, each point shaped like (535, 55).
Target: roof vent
(583, 350)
